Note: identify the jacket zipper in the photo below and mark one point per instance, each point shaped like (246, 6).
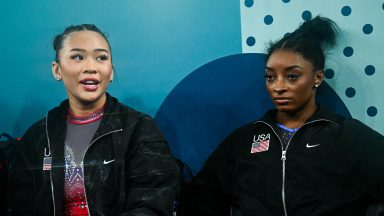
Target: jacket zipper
(50, 172)
(284, 157)
(85, 191)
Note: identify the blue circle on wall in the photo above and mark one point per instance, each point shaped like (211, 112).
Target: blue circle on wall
(370, 70)
(306, 15)
(346, 11)
(217, 98)
(348, 51)
(372, 111)
(268, 19)
(367, 29)
(248, 3)
(251, 41)
(329, 73)
(350, 92)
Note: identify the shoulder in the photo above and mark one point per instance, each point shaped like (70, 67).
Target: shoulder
(143, 126)
(37, 132)
(351, 127)
(243, 130)
(131, 114)
(38, 126)
(358, 128)
(259, 125)
(33, 137)
(117, 108)
(322, 113)
(243, 135)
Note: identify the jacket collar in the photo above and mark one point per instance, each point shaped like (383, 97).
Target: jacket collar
(57, 120)
(56, 125)
(110, 121)
(321, 114)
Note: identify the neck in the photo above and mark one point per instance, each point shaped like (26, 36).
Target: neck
(84, 108)
(295, 119)
(85, 119)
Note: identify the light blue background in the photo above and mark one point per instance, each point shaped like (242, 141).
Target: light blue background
(349, 71)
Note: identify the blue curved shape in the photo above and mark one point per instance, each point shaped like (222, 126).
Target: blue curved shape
(217, 98)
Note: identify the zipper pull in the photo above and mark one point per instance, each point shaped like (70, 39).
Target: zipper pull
(283, 155)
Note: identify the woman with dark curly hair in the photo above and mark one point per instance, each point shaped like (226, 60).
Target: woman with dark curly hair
(300, 158)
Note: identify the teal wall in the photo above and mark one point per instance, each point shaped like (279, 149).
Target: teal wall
(155, 44)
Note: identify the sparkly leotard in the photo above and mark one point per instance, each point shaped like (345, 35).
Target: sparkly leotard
(80, 130)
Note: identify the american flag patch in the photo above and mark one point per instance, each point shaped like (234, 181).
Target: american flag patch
(259, 146)
(47, 163)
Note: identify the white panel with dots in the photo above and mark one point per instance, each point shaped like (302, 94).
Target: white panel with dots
(355, 68)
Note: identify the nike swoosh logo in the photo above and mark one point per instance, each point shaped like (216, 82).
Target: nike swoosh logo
(311, 146)
(107, 162)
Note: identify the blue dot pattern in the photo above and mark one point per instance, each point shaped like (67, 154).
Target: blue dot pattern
(370, 70)
(268, 20)
(351, 66)
(248, 3)
(348, 51)
(306, 15)
(329, 73)
(346, 11)
(251, 41)
(372, 111)
(367, 29)
(350, 92)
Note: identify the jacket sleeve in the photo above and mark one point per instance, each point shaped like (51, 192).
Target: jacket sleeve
(210, 192)
(152, 172)
(369, 151)
(20, 181)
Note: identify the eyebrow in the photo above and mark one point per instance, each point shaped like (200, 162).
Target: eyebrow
(293, 67)
(83, 50)
(268, 68)
(287, 68)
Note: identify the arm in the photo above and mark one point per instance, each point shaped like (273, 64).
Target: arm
(29, 190)
(20, 184)
(153, 174)
(210, 189)
(369, 153)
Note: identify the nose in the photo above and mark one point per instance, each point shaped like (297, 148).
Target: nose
(279, 86)
(90, 66)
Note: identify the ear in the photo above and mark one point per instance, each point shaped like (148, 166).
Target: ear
(56, 71)
(112, 74)
(319, 77)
